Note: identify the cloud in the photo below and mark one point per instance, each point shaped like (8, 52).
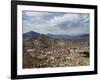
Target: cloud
(56, 23)
(65, 18)
(35, 14)
(77, 30)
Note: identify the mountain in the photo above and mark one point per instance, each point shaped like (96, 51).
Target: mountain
(30, 34)
(36, 40)
(41, 50)
(60, 37)
(83, 36)
(33, 34)
(68, 37)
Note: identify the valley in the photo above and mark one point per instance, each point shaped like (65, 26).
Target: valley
(43, 51)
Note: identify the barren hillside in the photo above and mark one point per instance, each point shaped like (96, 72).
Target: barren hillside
(43, 51)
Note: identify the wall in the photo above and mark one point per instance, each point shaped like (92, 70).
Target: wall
(5, 30)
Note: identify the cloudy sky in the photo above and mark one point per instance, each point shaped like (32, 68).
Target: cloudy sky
(58, 23)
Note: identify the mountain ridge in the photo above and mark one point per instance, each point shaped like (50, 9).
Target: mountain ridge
(33, 34)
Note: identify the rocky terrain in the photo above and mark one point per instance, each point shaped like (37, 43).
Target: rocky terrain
(42, 51)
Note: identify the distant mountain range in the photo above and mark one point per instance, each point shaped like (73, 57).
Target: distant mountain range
(33, 34)
(30, 34)
(67, 37)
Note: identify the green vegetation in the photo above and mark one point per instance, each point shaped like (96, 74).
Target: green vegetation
(86, 54)
(45, 46)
